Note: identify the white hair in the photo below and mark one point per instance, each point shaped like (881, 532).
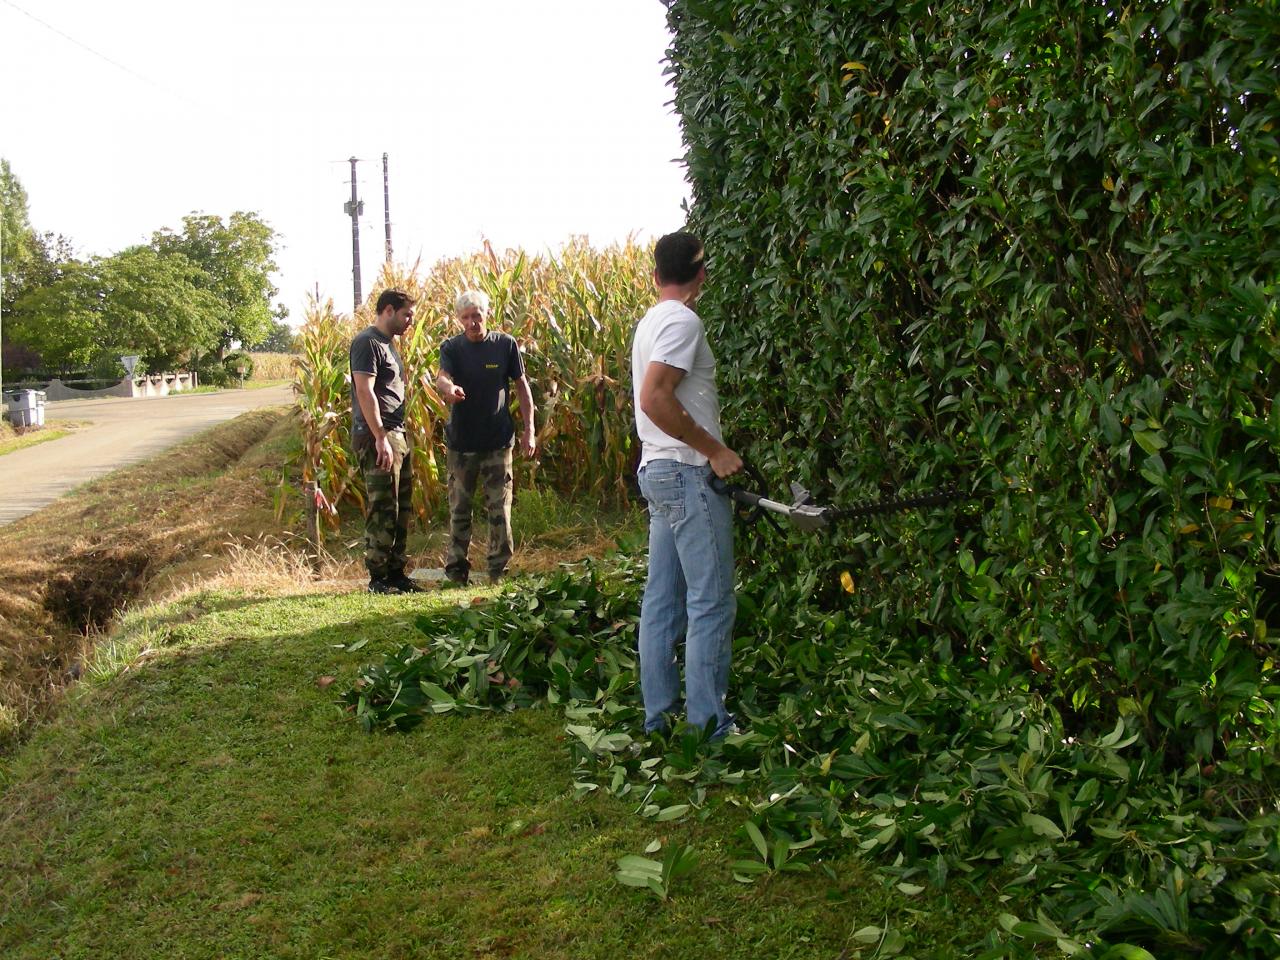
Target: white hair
(472, 298)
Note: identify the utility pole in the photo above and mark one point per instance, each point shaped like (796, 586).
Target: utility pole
(354, 208)
(2, 406)
(386, 204)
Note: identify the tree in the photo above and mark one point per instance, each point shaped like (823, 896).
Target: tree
(1029, 249)
(281, 339)
(188, 292)
(236, 258)
(158, 305)
(59, 320)
(30, 261)
(17, 239)
(136, 301)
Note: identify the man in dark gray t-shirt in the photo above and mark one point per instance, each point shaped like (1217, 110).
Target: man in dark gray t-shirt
(373, 352)
(379, 442)
(477, 369)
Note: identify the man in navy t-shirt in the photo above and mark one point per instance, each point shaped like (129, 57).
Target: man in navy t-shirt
(477, 368)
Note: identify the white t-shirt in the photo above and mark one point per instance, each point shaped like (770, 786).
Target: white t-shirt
(671, 333)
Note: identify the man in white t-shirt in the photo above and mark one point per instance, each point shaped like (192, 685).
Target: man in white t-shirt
(689, 592)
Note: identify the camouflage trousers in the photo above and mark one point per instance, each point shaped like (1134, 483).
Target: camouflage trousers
(493, 469)
(389, 505)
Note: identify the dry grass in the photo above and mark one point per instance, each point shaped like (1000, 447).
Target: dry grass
(281, 566)
(544, 555)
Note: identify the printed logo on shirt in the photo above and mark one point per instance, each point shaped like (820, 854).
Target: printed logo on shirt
(491, 366)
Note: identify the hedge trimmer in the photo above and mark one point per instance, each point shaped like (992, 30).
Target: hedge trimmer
(808, 516)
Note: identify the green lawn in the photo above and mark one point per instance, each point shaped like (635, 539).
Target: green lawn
(201, 796)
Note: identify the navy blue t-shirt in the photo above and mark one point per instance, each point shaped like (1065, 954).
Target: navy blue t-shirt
(482, 422)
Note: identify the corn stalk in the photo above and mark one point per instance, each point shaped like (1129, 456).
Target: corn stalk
(572, 313)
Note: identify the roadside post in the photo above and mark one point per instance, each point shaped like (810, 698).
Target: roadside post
(311, 504)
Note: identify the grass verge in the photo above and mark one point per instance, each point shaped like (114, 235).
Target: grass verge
(29, 438)
(206, 513)
(67, 569)
(235, 385)
(201, 796)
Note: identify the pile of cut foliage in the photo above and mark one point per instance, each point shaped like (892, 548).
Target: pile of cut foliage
(942, 768)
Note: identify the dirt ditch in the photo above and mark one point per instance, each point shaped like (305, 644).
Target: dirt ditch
(68, 570)
(93, 584)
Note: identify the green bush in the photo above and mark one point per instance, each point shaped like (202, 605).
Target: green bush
(107, 366)
(1035, 251)
(210, 372)
(239, 365)
(1032, 249)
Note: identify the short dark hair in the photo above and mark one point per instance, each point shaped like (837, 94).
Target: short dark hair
(677, 258)
(394, 299)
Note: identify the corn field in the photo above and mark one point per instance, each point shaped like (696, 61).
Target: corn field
(572, 313)
(273, 366)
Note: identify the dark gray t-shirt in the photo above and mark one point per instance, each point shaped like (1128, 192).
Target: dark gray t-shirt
(482, 422)
(372, 352)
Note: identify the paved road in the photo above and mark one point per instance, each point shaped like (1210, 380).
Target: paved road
(123, 431)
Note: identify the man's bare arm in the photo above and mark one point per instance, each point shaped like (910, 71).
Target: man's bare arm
(373, 417)
(449, 391)
(524, 395)
(659, 402)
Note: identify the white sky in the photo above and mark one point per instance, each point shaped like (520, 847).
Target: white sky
(524, 121)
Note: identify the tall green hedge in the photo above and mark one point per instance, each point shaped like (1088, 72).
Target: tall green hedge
(1031, 248)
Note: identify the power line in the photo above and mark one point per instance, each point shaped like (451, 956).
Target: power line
(82, 46)
(115, 63)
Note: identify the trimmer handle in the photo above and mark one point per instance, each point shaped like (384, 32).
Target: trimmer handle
(722, 486)
(802, 514)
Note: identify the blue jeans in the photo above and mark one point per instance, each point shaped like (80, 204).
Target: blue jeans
(689, 594)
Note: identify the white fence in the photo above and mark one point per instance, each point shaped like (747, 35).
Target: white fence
(147, 385)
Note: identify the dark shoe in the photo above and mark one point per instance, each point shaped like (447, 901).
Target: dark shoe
(378, 585)
(449, 582)
(404, 584)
